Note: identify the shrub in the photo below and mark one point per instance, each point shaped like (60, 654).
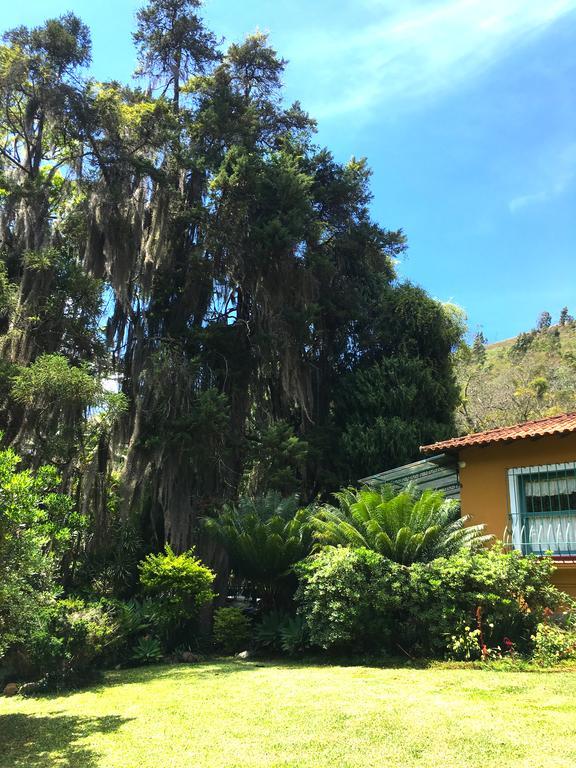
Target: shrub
(178, 585)
(70, 636)
(350, 598)
(555, 641)
(231, 629)
(34, 529)
(504, 595)
(461, 606)
(180, 579)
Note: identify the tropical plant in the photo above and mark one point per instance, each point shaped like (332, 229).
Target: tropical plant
(281, 631)
(267, 630)
(148, 650)
(264, 537)
(131, 622)
(407, 526)
(294, 635)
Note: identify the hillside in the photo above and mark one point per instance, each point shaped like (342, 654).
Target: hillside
(527, 377)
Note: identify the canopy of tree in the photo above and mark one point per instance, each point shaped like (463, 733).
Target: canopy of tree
(194, 300)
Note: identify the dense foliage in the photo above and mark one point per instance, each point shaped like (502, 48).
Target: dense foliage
(264, 538)
(190, 244)
(36, 525)
(406, 527)
(202, 335)
(469, 605)
(409, 579)
(69, 640)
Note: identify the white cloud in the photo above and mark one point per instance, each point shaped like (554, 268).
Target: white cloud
(554, 174)
(405, 57)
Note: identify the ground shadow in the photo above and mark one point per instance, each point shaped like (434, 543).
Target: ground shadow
(30, 741)
(223, 666)
(139, 675)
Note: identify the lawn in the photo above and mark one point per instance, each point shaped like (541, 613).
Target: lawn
(228, 714)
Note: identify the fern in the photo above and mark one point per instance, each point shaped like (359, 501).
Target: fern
(264, 537)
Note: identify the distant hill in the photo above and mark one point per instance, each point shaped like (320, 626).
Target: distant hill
(530, 376)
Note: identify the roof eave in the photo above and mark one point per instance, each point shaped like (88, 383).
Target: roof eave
(448, 446)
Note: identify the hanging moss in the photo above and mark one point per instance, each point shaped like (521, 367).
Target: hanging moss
(191, 243)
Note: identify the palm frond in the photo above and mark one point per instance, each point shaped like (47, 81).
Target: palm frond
(263, 536)
(406, 526)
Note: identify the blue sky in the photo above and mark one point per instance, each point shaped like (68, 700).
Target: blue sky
(466, 110)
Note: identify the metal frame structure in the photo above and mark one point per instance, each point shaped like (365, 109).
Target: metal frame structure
(438, 472)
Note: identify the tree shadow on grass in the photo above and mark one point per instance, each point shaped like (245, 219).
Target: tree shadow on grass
(30, 741)
(147, 674)
(139, 675)
(223, 667)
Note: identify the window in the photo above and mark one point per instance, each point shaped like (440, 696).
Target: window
(543, 509)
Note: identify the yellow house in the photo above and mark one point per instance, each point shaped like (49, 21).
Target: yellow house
(519, 481)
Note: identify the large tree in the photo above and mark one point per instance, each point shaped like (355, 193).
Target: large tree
(253, 319)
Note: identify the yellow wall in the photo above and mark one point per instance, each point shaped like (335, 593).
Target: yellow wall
(484, 482)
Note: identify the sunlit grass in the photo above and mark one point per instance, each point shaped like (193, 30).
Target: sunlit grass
(233, 714)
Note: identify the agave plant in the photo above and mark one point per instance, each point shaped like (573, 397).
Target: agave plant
(406, 527)
(148, 650)
(264, 537)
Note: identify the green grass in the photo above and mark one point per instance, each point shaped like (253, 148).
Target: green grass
(233, 714)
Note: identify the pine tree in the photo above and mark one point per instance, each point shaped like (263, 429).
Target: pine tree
(479, 348)
(544, 321)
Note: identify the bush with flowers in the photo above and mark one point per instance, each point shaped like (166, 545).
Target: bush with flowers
(555, 637)
(471, 606)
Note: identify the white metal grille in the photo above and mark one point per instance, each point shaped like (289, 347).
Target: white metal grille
(542, 510)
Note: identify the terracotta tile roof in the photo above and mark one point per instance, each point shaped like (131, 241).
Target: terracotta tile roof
(554, 425)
